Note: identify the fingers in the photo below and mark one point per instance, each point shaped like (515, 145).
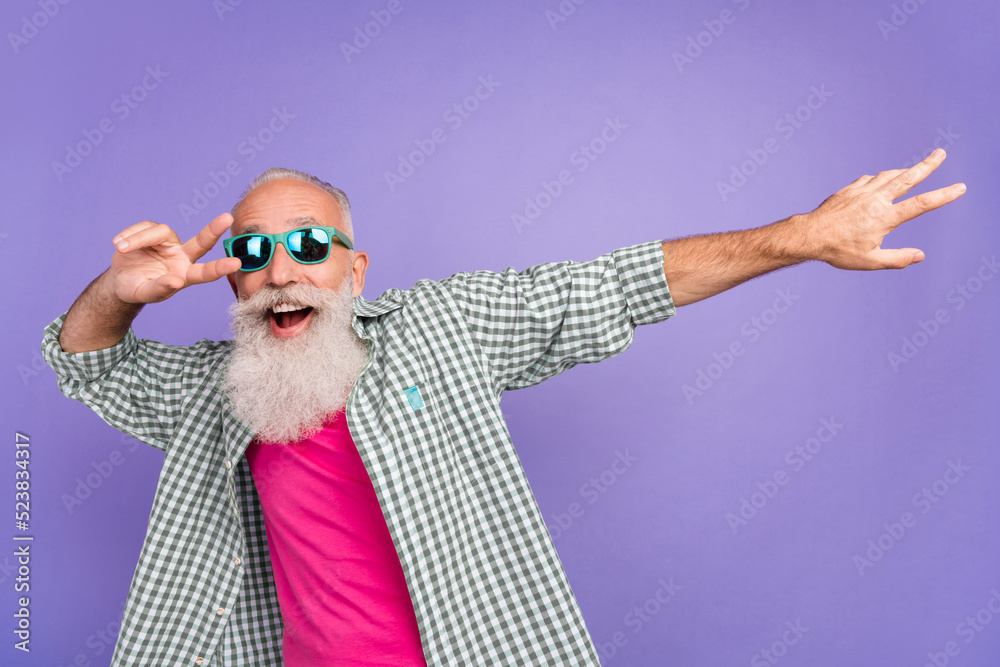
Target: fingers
(129, 231)
(898, 258)
(883, 177)
(145, 236)
(928, 201)
(206, 239)
(905, 180)
(209, 271)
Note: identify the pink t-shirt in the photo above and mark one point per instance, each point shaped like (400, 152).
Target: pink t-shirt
(343, 597)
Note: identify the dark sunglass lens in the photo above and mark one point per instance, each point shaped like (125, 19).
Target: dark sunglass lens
(309, 245)
(253, 251)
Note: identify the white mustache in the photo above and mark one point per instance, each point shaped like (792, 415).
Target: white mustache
(268, 299)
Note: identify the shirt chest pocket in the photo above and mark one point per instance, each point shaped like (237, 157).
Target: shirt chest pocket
(431, 445)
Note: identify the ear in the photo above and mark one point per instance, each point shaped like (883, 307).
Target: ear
(359, 268)
(232, 283)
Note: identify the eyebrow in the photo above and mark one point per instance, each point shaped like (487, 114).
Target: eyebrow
(302, 221)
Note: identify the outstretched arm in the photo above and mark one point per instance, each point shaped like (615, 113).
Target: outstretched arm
(845, 231)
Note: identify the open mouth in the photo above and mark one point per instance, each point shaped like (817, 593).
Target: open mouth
(288, 319)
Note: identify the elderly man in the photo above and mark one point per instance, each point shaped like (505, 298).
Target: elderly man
(339, 486)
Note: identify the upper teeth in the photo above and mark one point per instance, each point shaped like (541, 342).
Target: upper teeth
(284, 308)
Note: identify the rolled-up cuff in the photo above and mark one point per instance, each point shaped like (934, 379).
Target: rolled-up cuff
(640, 269)
(83, 366)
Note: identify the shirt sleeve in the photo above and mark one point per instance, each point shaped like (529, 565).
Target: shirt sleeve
(137, 386)
(536, 323)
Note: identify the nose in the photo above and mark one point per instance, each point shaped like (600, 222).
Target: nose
(282, 270)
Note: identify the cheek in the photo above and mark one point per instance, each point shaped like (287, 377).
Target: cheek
(248, 284)
(322, 275)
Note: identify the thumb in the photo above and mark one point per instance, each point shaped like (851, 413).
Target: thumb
(900, 258)
(159, 289)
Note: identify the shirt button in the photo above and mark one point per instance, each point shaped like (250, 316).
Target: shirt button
(238, 560)
(199, 661)
(220, 611)
(229, 464)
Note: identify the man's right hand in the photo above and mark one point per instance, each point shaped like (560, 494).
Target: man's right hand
(151, 264)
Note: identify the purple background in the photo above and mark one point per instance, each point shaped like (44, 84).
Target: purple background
(891, 97)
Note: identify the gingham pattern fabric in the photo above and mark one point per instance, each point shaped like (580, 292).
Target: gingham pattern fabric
(484, 576)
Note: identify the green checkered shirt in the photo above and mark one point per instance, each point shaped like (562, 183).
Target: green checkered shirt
(484, 576)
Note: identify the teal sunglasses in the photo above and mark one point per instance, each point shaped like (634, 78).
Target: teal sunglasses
(306, 245)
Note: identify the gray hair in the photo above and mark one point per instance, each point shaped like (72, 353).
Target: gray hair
(282, 172)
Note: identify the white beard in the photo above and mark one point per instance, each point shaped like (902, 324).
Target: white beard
(286, 388)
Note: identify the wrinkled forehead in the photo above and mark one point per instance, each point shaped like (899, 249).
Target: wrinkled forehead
(290, 223)
(284, 204)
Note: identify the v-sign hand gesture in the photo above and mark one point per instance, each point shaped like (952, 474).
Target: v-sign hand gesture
(151, 264)
(851, 224)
